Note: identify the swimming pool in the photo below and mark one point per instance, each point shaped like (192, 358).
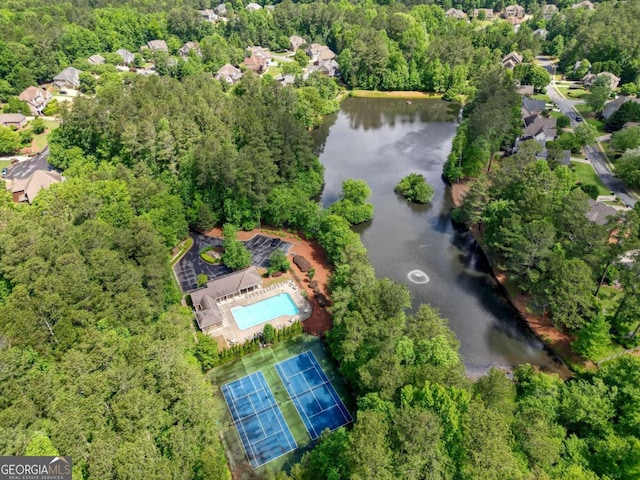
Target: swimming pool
(264, 310)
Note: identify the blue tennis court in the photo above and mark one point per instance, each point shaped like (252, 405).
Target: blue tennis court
(317, 402)
(264, 433)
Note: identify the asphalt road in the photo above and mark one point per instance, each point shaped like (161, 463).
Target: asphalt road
(593, 154)
(25, 168)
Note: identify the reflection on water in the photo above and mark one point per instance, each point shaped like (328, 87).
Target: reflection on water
(381, 141)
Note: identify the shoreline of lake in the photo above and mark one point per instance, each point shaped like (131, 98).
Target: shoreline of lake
(559, 343)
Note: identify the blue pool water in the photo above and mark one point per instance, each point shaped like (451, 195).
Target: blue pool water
(264, 310)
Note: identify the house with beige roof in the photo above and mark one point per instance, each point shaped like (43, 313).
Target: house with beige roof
(96, 60)
(158, 46)
(16, 120)
(25, 190)
(37, 98)
(516, 11)
(512, 59)
(455, 13)
(296, 42)
(228, 73)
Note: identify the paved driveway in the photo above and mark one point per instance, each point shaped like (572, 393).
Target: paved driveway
(191, 265)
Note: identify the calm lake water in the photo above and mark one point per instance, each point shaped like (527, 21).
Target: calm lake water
(381, 141)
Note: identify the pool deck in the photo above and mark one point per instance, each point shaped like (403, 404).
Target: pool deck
(230, 331)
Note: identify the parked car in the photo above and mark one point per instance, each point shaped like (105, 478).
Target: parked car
(4, 172)
(578, 119)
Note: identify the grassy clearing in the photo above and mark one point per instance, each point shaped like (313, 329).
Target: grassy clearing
(575, 93)
(264, 360)
(41, 140)
(395, 94)
(554, 114)
(4, 163)
(542, 96)
(588, 176)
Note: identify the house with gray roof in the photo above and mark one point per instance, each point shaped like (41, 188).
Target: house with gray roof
(209, 15)
(188, 47)
(205, 300)
(532, 107)
(252, 7)
(549, 10)
(600, 212)
(127, 56)
(68, 78)
(612, 106)
(590, 78)
(221, 10)
(511, 59)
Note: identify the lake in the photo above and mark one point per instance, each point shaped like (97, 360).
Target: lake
(381, 141)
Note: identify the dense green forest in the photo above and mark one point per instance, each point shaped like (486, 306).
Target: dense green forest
(98, 360)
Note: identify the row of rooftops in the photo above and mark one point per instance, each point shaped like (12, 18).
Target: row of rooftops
(513, 11)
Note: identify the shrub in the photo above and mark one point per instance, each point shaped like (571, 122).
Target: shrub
(563, 121)
(268, 333)
(278, 262)
(590, 190)
(414, 188)
(202, 279)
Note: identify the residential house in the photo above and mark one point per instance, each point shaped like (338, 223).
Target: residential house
(330, 68)
(320, 53)
(228, 73)
(516, 11)
(260, 52)
(252, 7)
(512, 59)
(455, 13)
(612, 107)
(127, 56)
(296, 42)
(532, 107)
(600, 212)
(548, 11)
(68, 78)
(585, 4)
(540, 32)
(36, 98)
(187, 47)
(96, 60)
(539, 128)
(205, 300)
(26, 189)
(515, 21)
(17, 120)
(255, 63)
(589, 78)
(209, 15)
(221, 10)
(488, 13)
(158, 46)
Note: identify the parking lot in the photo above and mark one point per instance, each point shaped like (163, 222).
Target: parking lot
(191, 265)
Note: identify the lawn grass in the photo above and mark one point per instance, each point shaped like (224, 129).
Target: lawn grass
(554, 114)
(264, 360)
(542, 96)
(41, 140)
(4, 163)
(576, 93)
(587, 175)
